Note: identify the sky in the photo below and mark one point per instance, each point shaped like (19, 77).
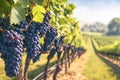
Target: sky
(91, 11)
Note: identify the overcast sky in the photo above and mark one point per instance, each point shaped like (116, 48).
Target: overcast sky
(90, 11)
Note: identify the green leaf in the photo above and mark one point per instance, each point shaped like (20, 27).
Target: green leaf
(38, 13)
(4, 7)
(53, 19)
(39, 2)
(11, 2)
(72, 5)
(24, 3)
(69, 8)
(17, 14)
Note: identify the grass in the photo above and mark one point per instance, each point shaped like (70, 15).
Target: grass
(97, 69)
(34, 69)
(38, 67)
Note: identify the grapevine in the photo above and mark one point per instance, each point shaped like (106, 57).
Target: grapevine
(11, 47)
(21, 32)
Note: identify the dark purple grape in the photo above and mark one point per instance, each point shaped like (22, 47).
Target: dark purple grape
(11, 49)
(32, 40)
(36, 58)
(49, 38)
(5, 23)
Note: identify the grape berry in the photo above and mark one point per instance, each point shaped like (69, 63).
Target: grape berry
(11, 47)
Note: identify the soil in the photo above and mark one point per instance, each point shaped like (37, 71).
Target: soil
(75, 71)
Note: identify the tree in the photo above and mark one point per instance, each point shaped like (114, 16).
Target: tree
(114, 27)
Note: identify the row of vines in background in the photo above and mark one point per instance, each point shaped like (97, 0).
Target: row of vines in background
(35, 27)
(111, 46)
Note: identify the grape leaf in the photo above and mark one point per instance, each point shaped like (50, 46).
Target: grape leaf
(17, 14)
(24, 3)
(39, 2)
(38, 13)
(4, 7)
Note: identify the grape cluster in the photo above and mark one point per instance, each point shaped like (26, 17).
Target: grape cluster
(50, 32)
(35, 31)
(32, 41)
(47, 18)
(5, 23)
(42, 28)
(11, 49)
(24, 23)
(49, 38)
(26, 34)
(32, 35)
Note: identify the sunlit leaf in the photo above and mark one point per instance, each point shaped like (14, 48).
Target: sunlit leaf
(38, 13)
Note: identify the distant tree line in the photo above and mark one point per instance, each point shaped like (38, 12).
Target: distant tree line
(113, 28)
(96, 27)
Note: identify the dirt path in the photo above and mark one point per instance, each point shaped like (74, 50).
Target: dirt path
(90, 66)
(75, 71)
(98, 68)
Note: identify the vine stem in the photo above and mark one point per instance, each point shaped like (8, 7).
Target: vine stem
(27, 63)
(58, 69)
(46, 68)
